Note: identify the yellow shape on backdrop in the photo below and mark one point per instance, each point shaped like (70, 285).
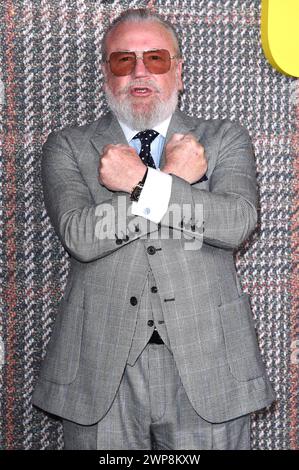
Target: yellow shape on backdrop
(280, 34)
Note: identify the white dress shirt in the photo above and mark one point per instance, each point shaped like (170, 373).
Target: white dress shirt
(154, 198)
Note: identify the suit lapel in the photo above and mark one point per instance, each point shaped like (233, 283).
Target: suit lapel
(108, 132)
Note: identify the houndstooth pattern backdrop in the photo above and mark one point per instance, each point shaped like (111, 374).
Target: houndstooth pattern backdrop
(50, 77)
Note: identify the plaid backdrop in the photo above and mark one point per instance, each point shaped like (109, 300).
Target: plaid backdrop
(50, 77)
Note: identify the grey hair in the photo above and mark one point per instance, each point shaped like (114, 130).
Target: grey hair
(139, 15)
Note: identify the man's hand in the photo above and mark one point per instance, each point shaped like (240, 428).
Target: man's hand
(185, 157)
(120, 168)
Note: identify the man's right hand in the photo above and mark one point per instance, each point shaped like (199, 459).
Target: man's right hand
(185, 157)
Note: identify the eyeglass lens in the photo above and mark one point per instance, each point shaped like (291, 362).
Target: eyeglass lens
(123, 63)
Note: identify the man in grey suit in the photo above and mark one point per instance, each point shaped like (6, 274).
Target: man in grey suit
(154, 343)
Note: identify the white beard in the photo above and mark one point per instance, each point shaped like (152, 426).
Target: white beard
(143, 119)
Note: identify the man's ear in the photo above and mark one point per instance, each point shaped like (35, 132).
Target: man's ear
(104, 71)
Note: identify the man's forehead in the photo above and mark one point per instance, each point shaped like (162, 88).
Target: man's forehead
(131, 32)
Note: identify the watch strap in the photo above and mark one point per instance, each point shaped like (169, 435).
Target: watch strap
(135, 194)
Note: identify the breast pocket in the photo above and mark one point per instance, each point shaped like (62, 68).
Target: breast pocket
(241, 344)
(63, 352)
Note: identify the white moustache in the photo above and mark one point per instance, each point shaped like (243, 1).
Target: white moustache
(141, 84)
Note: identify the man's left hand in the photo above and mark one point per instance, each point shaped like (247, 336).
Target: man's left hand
(120, 168)
(185, 157)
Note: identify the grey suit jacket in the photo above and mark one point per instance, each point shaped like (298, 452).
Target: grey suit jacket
(209, 320)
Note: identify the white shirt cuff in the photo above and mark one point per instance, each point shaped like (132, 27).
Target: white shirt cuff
(155, 195)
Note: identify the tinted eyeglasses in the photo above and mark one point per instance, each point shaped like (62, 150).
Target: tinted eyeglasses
(156, 61)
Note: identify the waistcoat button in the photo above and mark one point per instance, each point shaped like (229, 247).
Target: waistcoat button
(133, 301)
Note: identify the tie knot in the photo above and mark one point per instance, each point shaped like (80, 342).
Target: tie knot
(147, 136)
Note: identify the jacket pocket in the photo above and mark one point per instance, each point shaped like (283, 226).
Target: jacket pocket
(63, 351)
(240, 339)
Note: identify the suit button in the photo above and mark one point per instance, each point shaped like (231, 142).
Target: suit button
(154, 289)
(150, 323)
(133, 301)
(151, 250)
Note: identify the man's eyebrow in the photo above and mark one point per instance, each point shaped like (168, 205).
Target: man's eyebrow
(140, 50)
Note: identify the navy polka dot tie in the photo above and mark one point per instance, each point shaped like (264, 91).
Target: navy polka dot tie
(146, 137)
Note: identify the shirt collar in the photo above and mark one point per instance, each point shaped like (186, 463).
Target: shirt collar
(162, 128)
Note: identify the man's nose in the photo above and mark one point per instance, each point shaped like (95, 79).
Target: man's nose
(140, 69)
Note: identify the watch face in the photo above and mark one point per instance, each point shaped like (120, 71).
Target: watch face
(136, 193)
